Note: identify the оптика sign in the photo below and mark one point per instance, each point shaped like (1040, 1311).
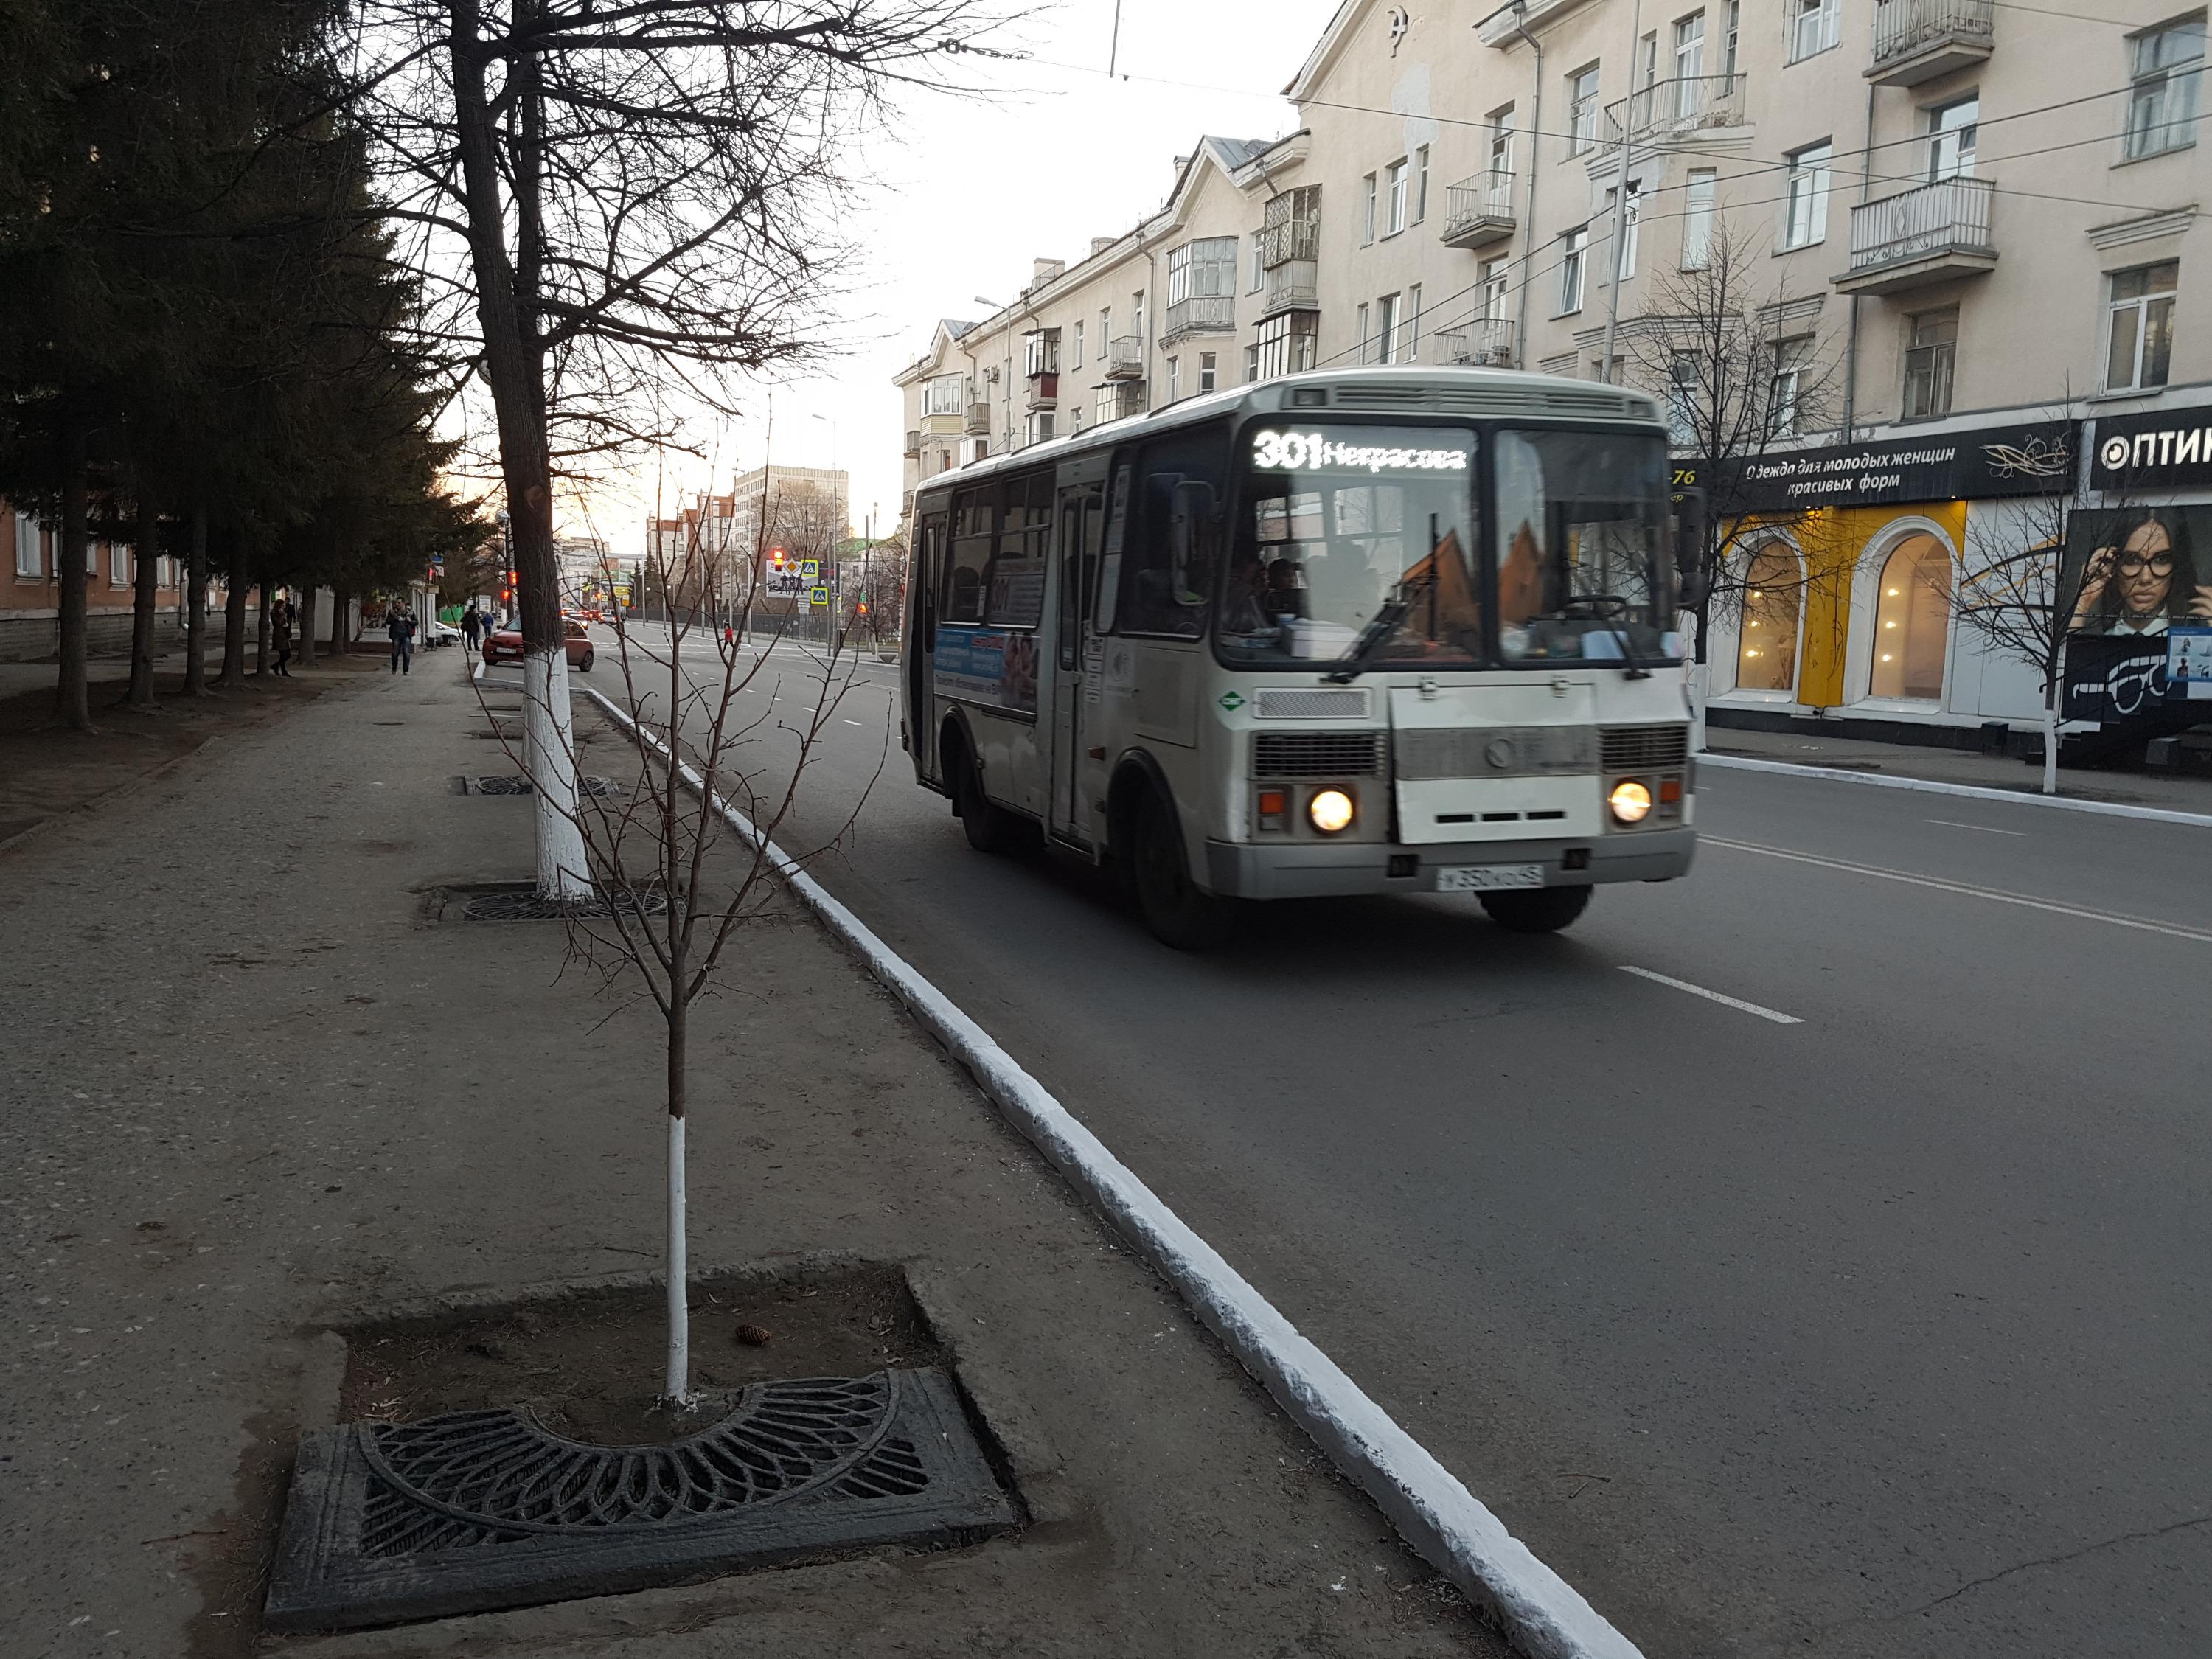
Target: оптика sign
(2031, 459)
(2169, 450)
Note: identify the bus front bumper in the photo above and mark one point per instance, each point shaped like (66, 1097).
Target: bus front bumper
(1323, 870)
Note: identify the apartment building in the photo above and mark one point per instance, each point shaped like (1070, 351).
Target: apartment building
(1972, 226)
(30, 592)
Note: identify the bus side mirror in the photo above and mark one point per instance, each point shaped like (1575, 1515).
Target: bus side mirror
(1692, 578)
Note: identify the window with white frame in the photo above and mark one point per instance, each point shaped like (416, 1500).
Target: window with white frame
(1040, 427)
(1202, 269)
(1735, 33)
(92, 556)
(1075, 344)
(1137, 315)
(1951, 137)
(1625, 266)
(1806, 219)
(1370, 189)
(1409, 337)
(1252, 364)
(1359, 318)
(1582, 110)
(28, 562)
(1394, 197)
(1208, 375)
(1494, 280)
(1288, 345)
(1690, 46)
(1931, 346)
(2139, 326)
(1683, 383)
(945, 394)
(1420, 183)
(1386, 329)
(1814, 26)
(1786, 384)
(1175, 379)
(1500, 123)
(118, 564)
(1697, 219)
(1573, 247)
(2162, 98)
(1259, 261)
(1105, 331)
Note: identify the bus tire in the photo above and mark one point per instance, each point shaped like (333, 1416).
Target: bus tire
(1178, 914)
(1535, 909)
(990, 828)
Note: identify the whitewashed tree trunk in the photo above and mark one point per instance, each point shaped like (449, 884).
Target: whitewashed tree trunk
(2050, 744)
(549, 753)
(677, 1387)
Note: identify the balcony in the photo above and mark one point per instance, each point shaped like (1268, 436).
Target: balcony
(1683, 107)
(1486, 342)
(979, 421)
(1293, 238)
(944, 423)
(1201, 313)
(1916, 40)
(1479, 211)
(1044, 392)
(913, 443)
(1935, 232)
(1119, 399)
(1124, 358)
(1294, 286)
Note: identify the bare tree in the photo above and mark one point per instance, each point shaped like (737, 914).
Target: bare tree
(607, 195)
(675, 881)
(2009, 597)
(1740, 379)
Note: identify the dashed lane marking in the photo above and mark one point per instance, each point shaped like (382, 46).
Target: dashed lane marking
(1725, 1000)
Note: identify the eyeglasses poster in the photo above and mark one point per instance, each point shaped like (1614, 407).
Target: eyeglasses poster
(2138, 592)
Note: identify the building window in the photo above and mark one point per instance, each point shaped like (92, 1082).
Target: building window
(1360, 317)
(2139, 326)
(1075, 346)
(28, 563)
(1814, 26)
(1806, 221)
(1735, 33)
(1368, 189)
(1420, 183)
(1931, 351)
(2169, 64)
(1207, 377)
(1409, 338)
(1582, 110)
(946, 394)
(1911, 617)
(1767, 646)
(1683, 384)
(1500, 123)
(1690, 53)
(1252, 364)
(118, 564)
(1105, 330)
(1626, 265)
(1572, 247)
(1287, 343)
(1394, 197)
(1175, 379)
(1785, 385)
(1951, 139)
(1075, 417)
(1386, 329)
(1259, 261)
(1137, 316)
(1494, 280)
(1041, 353)
(1697, 220)
(1039, 426)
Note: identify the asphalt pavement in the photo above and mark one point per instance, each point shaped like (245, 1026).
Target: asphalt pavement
(1805, 1257)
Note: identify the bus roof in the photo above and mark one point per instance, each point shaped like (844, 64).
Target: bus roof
(1405, 389)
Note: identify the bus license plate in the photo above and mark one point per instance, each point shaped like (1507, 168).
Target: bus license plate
(1481, 877)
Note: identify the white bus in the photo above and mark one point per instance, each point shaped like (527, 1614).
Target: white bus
(1357, 631)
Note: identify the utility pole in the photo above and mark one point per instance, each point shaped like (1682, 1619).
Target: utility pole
(1620, 191)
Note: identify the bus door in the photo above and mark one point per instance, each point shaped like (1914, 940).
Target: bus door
(1079, 519)
(922, 644)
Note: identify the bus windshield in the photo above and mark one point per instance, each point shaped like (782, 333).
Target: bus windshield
(1579, 536)
(1337, 525)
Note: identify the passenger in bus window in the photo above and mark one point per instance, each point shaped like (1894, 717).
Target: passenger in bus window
(1286, 589)
(1244, 597)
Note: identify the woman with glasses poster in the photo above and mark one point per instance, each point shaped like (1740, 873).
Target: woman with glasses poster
(2141, 578)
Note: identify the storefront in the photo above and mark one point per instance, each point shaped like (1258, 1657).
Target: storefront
(1838, 606)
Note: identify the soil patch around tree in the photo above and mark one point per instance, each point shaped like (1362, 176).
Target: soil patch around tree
(590, 1364)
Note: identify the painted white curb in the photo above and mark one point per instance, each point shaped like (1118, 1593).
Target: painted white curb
(1880, 781)
(1546, 1616)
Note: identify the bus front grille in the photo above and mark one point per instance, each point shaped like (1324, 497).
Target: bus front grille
(1493, 752)
(1639, 748)
(1317, 754)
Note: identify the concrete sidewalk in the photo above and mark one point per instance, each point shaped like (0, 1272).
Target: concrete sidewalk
(1904, 760)
(248, 1083)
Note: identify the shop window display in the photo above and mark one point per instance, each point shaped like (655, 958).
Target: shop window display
(1766, 646)
(1912, 621)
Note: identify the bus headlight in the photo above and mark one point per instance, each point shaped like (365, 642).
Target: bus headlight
(1330, 811)
(1631, 801)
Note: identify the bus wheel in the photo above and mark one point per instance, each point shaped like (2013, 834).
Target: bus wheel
(1177, 913)
(991, 828)
(1535, 909)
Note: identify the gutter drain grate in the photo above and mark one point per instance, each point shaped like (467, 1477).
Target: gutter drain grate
(481, 1510)
(586, 786)
(526, 905)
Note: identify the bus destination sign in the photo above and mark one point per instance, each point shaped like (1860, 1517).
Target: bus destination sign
(1316, 452)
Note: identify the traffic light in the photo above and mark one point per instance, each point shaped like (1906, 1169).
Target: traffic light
(775, 557)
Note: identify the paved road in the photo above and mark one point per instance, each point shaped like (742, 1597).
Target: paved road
(1883, 1333)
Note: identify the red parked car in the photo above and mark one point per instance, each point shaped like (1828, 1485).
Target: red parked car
(506, 645)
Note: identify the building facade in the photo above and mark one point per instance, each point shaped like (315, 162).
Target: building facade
(1962, 238)
(30, 599)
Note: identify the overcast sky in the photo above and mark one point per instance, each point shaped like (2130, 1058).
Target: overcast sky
(966, 193)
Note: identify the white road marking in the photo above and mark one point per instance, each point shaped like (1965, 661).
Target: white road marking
(2197, 934)
(1713, 996)
(1987, 829)
(852, 722)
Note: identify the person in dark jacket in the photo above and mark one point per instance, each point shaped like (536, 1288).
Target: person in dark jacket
(399, 626)
(471, 625)
(280, 636)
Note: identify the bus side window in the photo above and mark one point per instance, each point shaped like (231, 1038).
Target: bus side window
(1070, 622)
(931, 572)
(1105, 612)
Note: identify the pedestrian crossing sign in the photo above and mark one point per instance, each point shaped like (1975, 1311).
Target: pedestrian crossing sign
(810, 569)
(818, 596)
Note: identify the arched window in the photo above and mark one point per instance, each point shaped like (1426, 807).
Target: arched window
(1911, 617)
(1766, 645)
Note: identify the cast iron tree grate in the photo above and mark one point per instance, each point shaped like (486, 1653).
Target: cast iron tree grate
(527, 905)
(587, 786)
(491, 1509)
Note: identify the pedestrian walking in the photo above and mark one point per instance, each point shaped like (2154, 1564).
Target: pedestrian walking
(279, 635)
(471, 625)
(400, 625)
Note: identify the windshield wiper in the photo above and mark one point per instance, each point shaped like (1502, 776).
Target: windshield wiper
(1369, 646)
